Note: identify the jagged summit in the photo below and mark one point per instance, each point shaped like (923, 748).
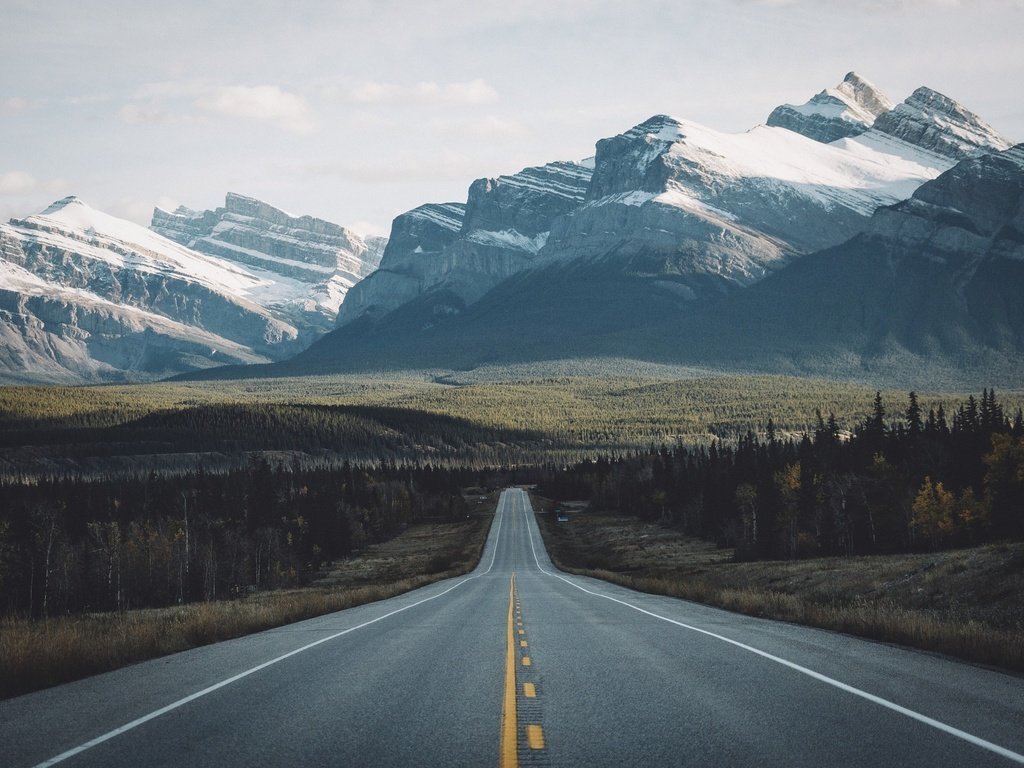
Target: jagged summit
(64, 202)
(658, 128)
(326, 259)
(444, 215)
(848, 109)
(71, 216)
(457, 252)
(933, 121)
(864, 94)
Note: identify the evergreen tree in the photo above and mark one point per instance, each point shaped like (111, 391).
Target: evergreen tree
(914, 425)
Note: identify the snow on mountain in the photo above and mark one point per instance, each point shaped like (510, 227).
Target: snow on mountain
(937, 123)
(312, 263)
(853, 174)
(848, 109)
(665, 215)
(677, 198)
(121, 244)
(59, 333)
(461, 251)
(85, 295)
(694, 208)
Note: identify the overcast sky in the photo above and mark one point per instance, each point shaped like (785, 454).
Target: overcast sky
(355, 111)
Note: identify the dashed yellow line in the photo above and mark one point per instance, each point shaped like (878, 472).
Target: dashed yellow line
(534, 732)
(535, 737)
(509, 716)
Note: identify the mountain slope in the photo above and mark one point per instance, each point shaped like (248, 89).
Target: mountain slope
(848, 109)
(679, 226)
(931, 294)
(85, 296)
(698, 211)
(314, 262)
(461, 251)
(934, 286)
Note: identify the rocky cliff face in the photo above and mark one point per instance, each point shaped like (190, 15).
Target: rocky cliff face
(86, 296)
(699, 209)
(849, 109)
(414, 252)
(329, 259)
(693, 209)
(460, 251)
(933, 290)
(937, 123)
(754, 250)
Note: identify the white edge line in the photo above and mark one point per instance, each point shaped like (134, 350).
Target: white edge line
(216, 686)
(968, 737)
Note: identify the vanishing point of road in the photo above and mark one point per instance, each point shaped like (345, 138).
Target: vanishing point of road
(520, 664)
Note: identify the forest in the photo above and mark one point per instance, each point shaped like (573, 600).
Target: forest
(910, 483)
(70, 545)
(306, 479)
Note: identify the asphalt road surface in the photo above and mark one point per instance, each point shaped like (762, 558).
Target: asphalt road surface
(518, 663)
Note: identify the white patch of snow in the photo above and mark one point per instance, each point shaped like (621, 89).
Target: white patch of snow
(15, 277)
(562, 179)
(508, 238)
(678, 197)
(857, 173)
(634, 197)
(442, 214)
(72, 225)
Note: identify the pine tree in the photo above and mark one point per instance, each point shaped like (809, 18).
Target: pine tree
(914, 425)
(876, 423)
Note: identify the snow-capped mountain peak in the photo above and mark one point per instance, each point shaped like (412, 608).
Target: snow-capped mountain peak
(87, 295)
(933, 121)
(846, 110)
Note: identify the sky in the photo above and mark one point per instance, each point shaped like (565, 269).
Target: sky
(357, 110)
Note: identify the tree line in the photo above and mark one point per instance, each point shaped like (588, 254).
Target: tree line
(915, 482)
(894, 482)
(77, 544)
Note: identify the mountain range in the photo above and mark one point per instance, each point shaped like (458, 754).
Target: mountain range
(848, 236)
(85, 296)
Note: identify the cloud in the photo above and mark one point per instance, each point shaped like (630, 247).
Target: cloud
(489, 127)
(132, 209)
(427, 92)
(444, 165)
(885, 6)
(141, 114)
(25, 193)
(266, 103)
(367, 229)
(16, 183)
(13, 105)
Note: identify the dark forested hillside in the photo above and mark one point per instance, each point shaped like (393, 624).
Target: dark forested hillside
(899, 482)
(76, 544)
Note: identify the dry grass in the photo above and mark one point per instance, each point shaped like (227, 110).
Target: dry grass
(966, 603)
(38, 654)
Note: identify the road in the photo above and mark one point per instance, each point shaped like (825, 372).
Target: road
(518, 663)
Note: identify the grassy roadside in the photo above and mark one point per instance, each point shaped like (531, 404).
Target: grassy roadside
(967, 603)
(39, 654)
